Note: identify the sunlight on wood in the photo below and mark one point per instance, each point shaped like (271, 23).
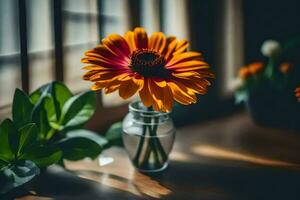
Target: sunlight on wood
(181, 157)
(121, 177)
(221, 153)
(34, 198)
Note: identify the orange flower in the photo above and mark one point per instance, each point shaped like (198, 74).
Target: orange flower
(285, 67)
(159, 68)
(297, 93)
(244, 72)
(256, 67)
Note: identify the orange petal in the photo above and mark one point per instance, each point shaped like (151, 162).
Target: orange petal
(169, 39)
(145, 95)
(89, 74)
(162, 96)
(160, 82)
(112, 86)
(183, 57)
(157, 42)
(197, 86)
(98, 86)
(112, 64)
(189, 66)
(187, 75)
(170, 50)
(117, 44)
(129, 37)
(129, 88)
(105, 52)
(181, 46)
(181, 94)
(191, 63)
(140, 38)
(95, 67)
(93, 54)
(103, 75)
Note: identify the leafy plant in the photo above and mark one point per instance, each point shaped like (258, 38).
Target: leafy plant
(277, 74)
(18, 161)
(47, 127)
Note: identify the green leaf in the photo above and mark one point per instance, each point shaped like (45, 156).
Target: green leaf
(28, 137)
(114, 135)
(49, 106)
(13, 137)
(21, 109)
(17, 175)
(83, 133)
(77, 148)
(43, 156)
(3, 163)
(58, 91)
(60, 94)
(35, 97)
(78, 110)
(6, 153)
(40, 118)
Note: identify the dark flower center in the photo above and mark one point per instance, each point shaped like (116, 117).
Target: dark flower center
(148, 63)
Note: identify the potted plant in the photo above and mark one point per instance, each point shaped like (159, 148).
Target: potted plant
(46, 128)
(267, 87)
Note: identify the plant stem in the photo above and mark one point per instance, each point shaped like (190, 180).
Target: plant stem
(151, 146)
(140, 145)
(155, 147)
(142, 140)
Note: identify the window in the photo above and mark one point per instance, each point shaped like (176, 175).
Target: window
(10, 72)
(56, 33)
(175, 18)
(80, 33)
(231, 49)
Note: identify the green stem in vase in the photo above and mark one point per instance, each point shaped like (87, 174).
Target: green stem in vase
(151, 149)
(150, 145)
(142, 138)
(140, 145)
(155, 147)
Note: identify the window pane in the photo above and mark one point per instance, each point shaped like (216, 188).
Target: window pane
(10, 72)
(40, 42)
(231, 55)
(150, 15)
(175, 21)
(80, 34)
(115, 14)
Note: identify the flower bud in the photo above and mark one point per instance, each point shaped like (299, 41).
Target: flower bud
(270, 48)
(285, 67)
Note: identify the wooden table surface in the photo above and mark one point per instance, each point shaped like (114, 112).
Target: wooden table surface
(228, 158)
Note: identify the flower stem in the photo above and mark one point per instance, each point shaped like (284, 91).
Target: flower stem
(155, 147)
(140, 145)
(151, 144)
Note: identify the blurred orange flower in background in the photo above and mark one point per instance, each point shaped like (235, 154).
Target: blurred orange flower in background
(159, 68)
(256, 67)
(244, 72)
(285, 67)
(297, 93)
(251, 69)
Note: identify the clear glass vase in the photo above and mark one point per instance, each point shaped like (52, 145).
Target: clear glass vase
(148, 137)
